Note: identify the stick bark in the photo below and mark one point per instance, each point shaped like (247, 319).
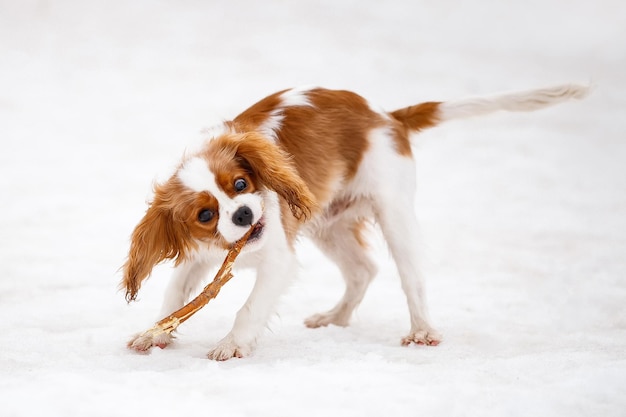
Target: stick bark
(171, 322)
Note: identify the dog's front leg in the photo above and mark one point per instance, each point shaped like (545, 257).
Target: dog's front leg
(186, 278)
(274, 274)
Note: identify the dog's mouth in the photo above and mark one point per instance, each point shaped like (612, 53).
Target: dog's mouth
(259, 227)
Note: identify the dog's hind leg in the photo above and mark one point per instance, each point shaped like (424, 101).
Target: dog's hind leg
(400, 229)
(343, 243)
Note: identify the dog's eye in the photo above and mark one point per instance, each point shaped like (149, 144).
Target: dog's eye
(240, 185)
(205, 216)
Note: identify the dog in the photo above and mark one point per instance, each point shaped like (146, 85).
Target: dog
(301, 162)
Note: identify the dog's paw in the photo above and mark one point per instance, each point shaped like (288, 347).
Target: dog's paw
(429, 337)
(227, 349)
(324, 319)
(143, 342)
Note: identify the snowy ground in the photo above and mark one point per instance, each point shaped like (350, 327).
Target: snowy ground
(523, 215)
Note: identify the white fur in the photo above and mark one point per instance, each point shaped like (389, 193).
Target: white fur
(185, 280)
(291, 98)
(528, 100)
(272, 125)
(374, 191)
(276, 268)
(296, 97)
(195, 174)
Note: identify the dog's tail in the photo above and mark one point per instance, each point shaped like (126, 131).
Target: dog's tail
(429, 114)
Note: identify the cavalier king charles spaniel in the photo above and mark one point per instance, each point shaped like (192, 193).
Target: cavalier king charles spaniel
(301, 162)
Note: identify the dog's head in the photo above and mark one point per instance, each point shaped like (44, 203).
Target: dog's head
(211, 200)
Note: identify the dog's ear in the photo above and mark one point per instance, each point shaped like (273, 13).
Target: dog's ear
(275, 170)
(158, 236)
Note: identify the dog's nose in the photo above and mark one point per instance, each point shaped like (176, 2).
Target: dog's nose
(243, 216)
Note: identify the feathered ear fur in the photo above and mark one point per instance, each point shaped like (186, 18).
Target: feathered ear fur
(275, 170)
(157, 237)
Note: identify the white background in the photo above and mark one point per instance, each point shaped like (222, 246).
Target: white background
(523, 216)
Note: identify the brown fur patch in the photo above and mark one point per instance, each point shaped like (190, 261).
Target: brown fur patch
(418, 117)
(255, 115)
(266, 165)
(413, 119)
(227, 167)
(325, 141)
(161, 234)
(358, 229)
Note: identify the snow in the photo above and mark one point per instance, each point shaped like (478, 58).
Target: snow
(523, 216)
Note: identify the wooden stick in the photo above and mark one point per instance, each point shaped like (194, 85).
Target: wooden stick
(170, 323)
